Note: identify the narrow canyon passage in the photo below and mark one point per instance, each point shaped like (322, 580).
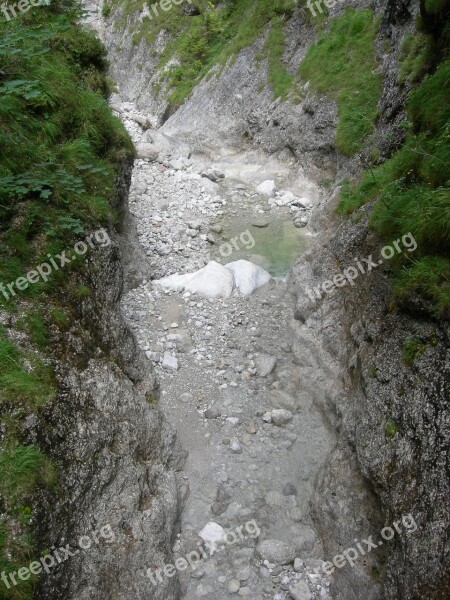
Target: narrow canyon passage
(230, 383)
(224, 300)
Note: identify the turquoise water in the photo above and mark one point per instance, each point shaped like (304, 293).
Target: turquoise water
(275, 247)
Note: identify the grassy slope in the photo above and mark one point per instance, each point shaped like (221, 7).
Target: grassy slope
(411, 190)
(60, 149)
(342, 64)
(212, 37)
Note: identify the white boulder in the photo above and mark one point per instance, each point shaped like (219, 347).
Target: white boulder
(213, 281)
(247, 276)
(267, 188)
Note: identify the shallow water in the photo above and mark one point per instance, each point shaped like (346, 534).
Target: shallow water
(275, 247)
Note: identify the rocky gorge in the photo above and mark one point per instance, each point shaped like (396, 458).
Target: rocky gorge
(209, 404)
(328, 472)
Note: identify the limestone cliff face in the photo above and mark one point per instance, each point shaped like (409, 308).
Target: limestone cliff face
(118, 458)
(393, 423)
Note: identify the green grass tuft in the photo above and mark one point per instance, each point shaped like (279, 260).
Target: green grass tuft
(342, 64)
(24, 379)
(416, 55)
(33, 323)
(279, 77)
(390, 429)
(411, 193)
(23, 468)
(413, 349)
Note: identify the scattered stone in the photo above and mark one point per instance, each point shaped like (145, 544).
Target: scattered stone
(267, 417)
(260, 223)
(212, 413)
(213, 281)
(217, 508)
(213, 174)
(289, 490)
(244, 591)
(276, 551)
(169, 362)
(265, 364)
(235, 447)
(147, 151)
(300, 591)
(194, 225)
(301, 223)
(233, 586)
(144, 122)
(302, 202)
(280, 416)
(298, 565)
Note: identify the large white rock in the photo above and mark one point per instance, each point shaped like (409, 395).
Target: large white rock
(212, 533)
(267, 188)
(247, 276)
(213, 281)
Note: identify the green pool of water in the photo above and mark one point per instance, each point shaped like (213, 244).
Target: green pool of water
(274, 247)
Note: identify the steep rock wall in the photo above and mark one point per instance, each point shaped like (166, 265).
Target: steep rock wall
(117, 456)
